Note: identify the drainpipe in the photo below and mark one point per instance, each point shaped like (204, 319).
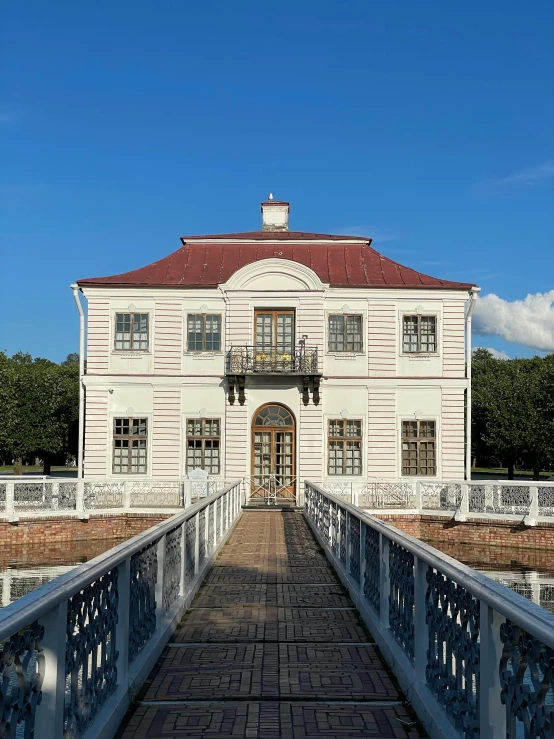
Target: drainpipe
(471, 306)
(75, 289)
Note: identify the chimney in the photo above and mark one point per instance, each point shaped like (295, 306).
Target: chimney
(275, 215)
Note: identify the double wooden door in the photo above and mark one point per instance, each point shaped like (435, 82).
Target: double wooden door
(273, 453)
(274, 330)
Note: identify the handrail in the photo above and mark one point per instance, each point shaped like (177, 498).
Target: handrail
(510, 604)
(105, 623)
(474, 657)
(27, 609)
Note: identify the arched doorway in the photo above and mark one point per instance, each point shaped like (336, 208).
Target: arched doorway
(273, 452)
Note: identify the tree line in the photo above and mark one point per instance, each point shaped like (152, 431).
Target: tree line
(39, 409)
(512, 411)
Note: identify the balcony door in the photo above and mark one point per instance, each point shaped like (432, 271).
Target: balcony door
(273, 453)
(274, 331)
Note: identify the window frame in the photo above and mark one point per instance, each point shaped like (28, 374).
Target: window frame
(117, 437)
(344, 439)
(345, 316)
(418, 439)
(204, 316)
(203, 437)
(419, 352)
(132, 313)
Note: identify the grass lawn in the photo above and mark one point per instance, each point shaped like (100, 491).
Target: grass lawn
(501, 472)
(8, 468)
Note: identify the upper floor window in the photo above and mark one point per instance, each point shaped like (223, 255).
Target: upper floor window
(204, 333)
(203, 440)
(345, 333)
(419, 334)
(130, 440)
(419, 448)
(131, 331)
(345, 447)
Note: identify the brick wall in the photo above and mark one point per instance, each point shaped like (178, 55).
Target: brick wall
(440, 532)
(107, 526)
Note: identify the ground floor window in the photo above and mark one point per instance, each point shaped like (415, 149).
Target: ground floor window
(345, 447)
(419, 448)
(130, 443)
(203, 444)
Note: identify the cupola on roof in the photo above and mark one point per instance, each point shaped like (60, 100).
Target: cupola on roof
(339, 261)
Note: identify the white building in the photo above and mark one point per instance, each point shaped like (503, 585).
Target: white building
(276, 354)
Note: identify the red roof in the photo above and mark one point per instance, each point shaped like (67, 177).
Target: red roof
(207, 261)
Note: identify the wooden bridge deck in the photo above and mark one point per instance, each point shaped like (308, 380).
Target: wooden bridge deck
(272, 647)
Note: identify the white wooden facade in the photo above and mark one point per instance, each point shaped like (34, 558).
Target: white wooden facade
(381, 385)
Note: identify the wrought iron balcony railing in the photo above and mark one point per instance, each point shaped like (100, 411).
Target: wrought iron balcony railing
(253, 360)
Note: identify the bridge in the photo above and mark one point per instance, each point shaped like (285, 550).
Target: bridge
(274, 624)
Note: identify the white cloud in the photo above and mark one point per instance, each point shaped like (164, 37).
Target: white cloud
(495, 353)
(530, 176)
(529, 322)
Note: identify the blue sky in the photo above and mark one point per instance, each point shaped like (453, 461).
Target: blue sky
(426, 125)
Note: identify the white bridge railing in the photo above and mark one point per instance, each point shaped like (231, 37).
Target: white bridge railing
(515, 500)
(74, 652)
(475, 658)
(53, 496)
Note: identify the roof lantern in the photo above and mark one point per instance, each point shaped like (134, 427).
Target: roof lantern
(275, 215)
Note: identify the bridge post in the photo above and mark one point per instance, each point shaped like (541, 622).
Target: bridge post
(80, 498)
(464, 503)
(492, 712)
(126, 494)
(531, 518)
(384, 581)
(50, 713)
(10, 500)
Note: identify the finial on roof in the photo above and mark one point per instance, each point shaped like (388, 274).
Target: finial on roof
(270, 196)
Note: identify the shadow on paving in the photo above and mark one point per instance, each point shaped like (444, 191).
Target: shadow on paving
(271, 647)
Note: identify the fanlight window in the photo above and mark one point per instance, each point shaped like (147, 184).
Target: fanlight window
(273, 415)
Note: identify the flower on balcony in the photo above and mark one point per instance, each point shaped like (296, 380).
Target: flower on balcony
(261, 357)
(285, 357)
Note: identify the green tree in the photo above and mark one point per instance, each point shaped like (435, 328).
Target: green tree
(38, 407)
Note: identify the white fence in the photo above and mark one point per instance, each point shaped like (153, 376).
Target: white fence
(517, 500)
(51, 496)
(74, 652)
(475, 658)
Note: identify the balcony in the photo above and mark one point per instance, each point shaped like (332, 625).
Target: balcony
(300, 361)
(251, 360)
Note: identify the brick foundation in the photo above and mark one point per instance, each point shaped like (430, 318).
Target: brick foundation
(49, 531)
(441, 532)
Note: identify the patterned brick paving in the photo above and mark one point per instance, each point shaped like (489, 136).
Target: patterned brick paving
(271, 649)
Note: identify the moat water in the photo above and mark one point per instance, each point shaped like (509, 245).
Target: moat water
(529, 572)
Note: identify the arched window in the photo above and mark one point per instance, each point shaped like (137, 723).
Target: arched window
(274, 415)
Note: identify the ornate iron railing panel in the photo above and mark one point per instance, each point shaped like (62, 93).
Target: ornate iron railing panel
(401, 596)
(372, 572)
(452, 616)
(545, 501)
(354, 541)
(142, 606)
(172, 567)
(211, 529)
(91, 652)
(527, 681)
(155, 493)
(441, 496)
(21, 678)
(190, 548)
(103, 494)
(2, 496)
(251, 360)
(201, 538)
